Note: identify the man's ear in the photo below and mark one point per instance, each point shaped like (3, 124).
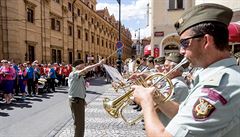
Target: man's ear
(209, 40)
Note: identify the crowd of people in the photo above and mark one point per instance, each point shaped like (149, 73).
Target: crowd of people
(23, 79)
(30, 78)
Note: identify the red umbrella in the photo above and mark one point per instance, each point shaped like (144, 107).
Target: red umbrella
(234, 32)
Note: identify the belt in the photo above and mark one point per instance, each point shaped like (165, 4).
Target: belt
(76, 99)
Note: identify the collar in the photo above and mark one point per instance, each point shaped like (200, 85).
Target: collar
(212, 75)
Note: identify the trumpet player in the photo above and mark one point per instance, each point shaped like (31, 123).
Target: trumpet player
(180, 87)
(212, 107)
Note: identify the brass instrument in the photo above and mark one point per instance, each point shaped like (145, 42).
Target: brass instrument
(122, 85)
(164, 88)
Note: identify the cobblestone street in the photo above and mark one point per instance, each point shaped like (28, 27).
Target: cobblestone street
(99, 123)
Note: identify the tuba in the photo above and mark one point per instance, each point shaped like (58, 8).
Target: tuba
(164, 88)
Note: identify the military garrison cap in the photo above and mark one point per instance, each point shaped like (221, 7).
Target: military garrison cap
(77, 62)
(159, 60)
(207, 12)
(174, 57)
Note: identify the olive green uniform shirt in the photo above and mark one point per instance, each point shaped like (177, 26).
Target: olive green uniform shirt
(212, 108)
(76, 85)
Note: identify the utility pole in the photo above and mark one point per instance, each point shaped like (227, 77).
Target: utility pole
(119, 60)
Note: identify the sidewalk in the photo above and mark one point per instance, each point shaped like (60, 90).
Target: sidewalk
(100, 123)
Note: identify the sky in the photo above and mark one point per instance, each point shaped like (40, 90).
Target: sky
(133, 15)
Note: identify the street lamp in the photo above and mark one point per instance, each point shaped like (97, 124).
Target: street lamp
(119, 60)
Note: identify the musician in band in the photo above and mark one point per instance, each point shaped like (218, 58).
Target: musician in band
(77, 94)
(212, 107)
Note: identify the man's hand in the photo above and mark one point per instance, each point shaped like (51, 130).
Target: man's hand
(143, 95)
(137, 75)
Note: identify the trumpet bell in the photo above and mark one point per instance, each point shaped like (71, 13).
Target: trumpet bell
(113, 106)
(108, 106)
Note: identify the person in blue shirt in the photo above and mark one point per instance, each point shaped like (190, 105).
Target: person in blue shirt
(52, 76)
(30, 80)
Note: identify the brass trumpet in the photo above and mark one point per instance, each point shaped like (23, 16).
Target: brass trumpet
(164, 88)
(122, 85)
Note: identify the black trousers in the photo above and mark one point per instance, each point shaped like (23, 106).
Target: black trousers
(31, 86)
(77, 106)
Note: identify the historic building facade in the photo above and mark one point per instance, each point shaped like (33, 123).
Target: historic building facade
(163, 15)
(59, 31)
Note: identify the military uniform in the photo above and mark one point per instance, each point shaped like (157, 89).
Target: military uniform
(179, 95)
(212, 108)
(179, 84)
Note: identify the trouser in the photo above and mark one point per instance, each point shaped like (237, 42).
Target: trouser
(52, 84)
(77, 106)
(30, 86)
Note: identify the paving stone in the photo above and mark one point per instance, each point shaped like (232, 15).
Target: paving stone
(100, 124)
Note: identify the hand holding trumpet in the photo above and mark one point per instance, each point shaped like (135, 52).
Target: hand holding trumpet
(142, 95)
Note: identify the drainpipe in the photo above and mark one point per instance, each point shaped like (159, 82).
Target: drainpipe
(26, 53)
(44, 31)
(7, 29)
(41, 3)
(1, 17)
(73, 19)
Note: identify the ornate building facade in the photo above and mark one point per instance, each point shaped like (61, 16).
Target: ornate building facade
(59, 31)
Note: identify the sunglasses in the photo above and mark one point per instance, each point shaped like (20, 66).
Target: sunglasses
(184, 43)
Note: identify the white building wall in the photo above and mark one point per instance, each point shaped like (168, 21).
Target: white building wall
(162, 20)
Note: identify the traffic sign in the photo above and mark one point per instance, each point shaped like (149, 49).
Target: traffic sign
(119, 44)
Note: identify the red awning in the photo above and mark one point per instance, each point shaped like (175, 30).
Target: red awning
(234, 32)
(147, 50)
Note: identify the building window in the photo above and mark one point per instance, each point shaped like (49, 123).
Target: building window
(92, 39)
(86, 36)
(59, 56)
(97, 41)
(70, 30)
(31, 53)
(92, 7)
(79, 33)
(102, 43)
(79, 55)
(55, 24)
(30, 15)
(175, 4)
(70, 57)
(86, 17)
(54, 55)
(92, 20)
(78, 12)
(58, 25)
(106, 44)
(69, 6)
